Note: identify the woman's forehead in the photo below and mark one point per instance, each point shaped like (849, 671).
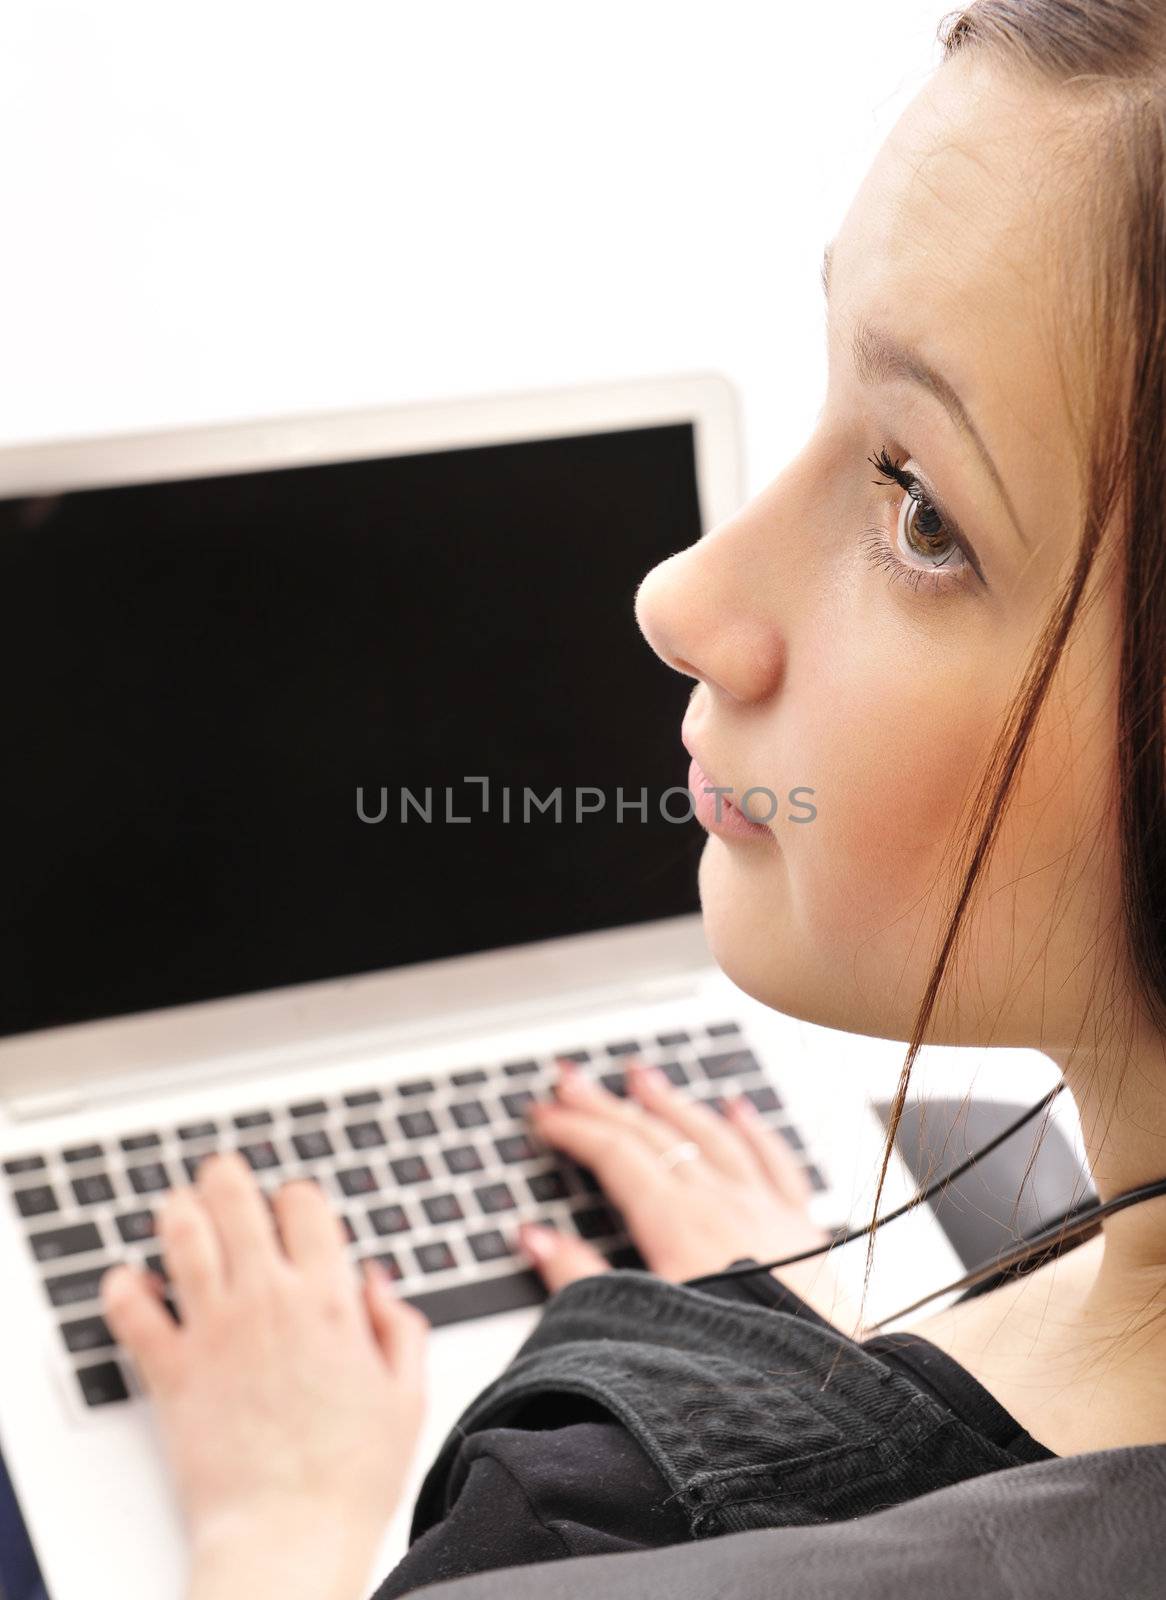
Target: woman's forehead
(955, 245)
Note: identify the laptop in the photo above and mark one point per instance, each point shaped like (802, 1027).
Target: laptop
(343, 797)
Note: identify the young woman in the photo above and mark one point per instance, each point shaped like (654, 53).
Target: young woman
(950, 609)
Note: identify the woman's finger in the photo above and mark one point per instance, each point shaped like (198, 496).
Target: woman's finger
(400, 1329)
(141, 1324)
(772, 1153)
(577, 1090)
(312, 1233)
(560, 1258)
(190, 1249)
(241, 1216)
(718, 1141)
(625, 1166)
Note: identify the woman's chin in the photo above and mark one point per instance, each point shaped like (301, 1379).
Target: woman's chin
(751, 935)
(742, 926)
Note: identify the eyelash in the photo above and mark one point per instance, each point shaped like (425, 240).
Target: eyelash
(880, 551)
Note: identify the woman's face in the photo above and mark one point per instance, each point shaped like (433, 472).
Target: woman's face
(851, 642)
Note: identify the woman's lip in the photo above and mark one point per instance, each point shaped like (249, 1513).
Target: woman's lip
(716, 811)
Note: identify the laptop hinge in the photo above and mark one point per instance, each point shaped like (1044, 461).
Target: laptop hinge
(284, 1059)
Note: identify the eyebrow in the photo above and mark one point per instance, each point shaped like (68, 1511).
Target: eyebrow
(878, 358)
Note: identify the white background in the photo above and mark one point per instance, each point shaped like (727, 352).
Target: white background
(214, 211)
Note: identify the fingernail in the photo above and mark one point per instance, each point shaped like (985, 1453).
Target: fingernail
(651, 1077)
(116, 1281)
(536, 1241)
(745, 1107)
(381, 1275)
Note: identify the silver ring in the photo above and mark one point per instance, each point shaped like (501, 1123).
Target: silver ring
(675, 1154)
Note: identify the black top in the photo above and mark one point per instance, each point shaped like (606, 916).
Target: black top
(566, 1479)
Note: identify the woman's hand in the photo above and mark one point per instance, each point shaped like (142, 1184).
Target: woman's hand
(290, 1397)
(745, 1195)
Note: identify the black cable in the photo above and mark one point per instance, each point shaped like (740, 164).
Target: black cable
(1032, 1246)
(842, 1236)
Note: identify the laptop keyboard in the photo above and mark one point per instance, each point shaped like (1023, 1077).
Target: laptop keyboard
(431, 1176)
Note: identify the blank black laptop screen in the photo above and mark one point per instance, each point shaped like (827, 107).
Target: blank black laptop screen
(200, 675)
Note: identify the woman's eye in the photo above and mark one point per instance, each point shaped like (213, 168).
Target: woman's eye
(922, 545)
(921, 532)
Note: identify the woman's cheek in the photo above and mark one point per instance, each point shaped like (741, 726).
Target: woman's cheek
(890, 769)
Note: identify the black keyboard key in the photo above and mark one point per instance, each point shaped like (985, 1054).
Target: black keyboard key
(314, 1146)
(443, 1208)
(349, 1229)
(357, 1180)
(365, 1135)
(520, 1069)
(729, 1064)
(596, 1222)
(721, 1030)
(462, 1158)
(504, 1291)
(35, 1202)
(309, 1108)
(140, 1141)
(410, 1169)
(792, 1137)
(489, 1246)
(136, 1225)
(548, 1186)
(615, 1083)
(83, 1152)
(817, 1181)
(86, 1333)
(435, 1257)
(515, 1147)
(157, 1264)
(517, 1103)
(363, 1097)
(469, 1113)
(149, 1179)
(74, 1287)
(198, 1130)
(582, 1175)
(764, 1099)
(495, 1197)
(674, 1072)
(624, 1047)
(417, 1086)
(579, 1057)
(192, 1163)
(389, 1219)
(16, 1165)
(667, 1040)
(102, 1384)
(58, 1242)
(474, 1075)
(388, 1261)
(622, 1255)
(91, 1191)
(260, 1156)
(253, 1119)
(417, 1124)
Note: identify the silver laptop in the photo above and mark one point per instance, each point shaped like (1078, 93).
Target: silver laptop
(284, 870)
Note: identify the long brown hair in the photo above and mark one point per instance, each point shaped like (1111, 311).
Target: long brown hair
(1108, 57)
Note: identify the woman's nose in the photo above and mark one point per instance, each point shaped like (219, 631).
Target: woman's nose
(701, 612)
